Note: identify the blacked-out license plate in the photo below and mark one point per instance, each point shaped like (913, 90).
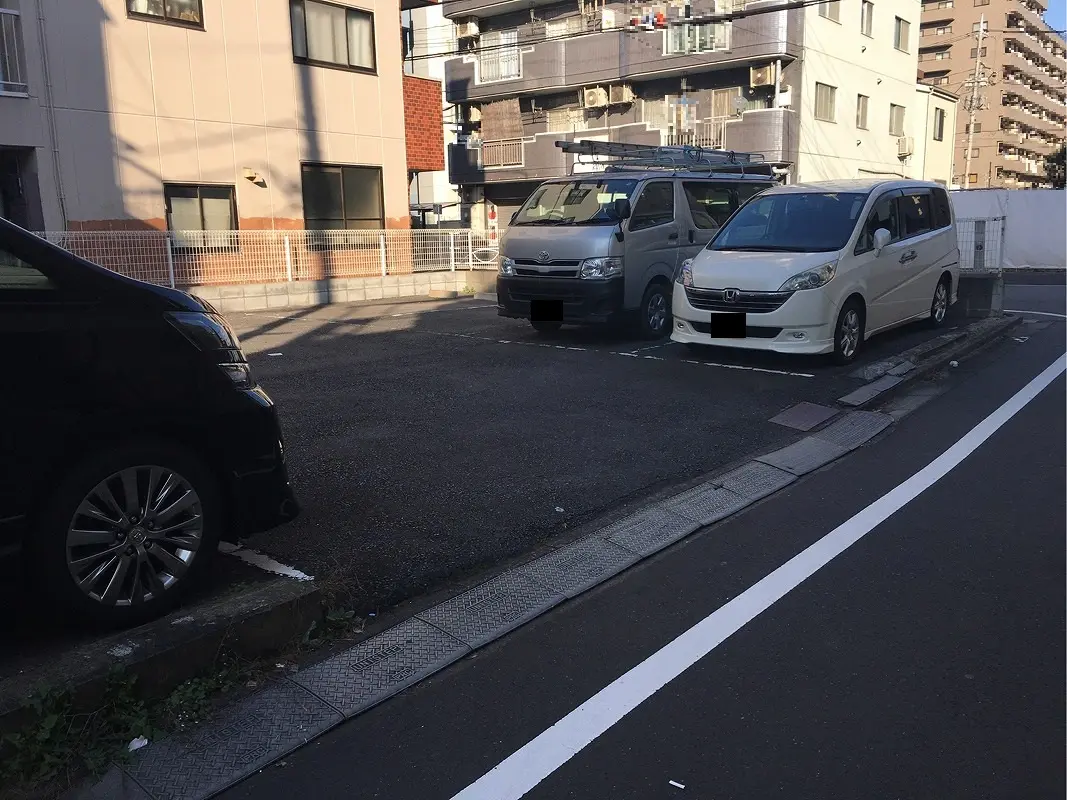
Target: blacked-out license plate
(729, 325)
(546, 310)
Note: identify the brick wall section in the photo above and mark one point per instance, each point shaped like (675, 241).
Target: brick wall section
(423, 122)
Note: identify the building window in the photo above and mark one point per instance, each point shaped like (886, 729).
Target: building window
(498, 56)
(941, 55)
(861, 111)
(943, 30)
(941, 80)
(972, 178)
(939, 124)
(693, 38)
(975, 128)
(179, 12)
(831, 10)
(974, 152)
(12, 56)
(825, 102)
(975, 54)
(901, 34)
(201, 217)
(979, 26)
(867, 18)
(896, 120)
(342, 198)
(981, 2)
(329, 35)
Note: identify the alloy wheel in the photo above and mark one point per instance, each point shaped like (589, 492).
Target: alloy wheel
(850, 333)
(134, 535)
(940, 302)
(657, 311)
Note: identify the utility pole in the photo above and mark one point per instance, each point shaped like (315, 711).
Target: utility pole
(976, 101)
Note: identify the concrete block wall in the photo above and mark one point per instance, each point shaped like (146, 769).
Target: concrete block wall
(301, 294)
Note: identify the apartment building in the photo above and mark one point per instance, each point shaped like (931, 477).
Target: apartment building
(1021, 68)
(194, 115)
(825, 91)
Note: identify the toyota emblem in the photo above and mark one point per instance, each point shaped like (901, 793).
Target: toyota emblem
(543, 257)
(730, 295)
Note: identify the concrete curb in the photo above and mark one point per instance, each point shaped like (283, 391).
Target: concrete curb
(170, 650)
(288, 714)
(887, 376)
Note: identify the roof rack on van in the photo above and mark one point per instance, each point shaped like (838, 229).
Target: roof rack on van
(626, 155)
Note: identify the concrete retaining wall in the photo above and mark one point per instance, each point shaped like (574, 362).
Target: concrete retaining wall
(300, 294)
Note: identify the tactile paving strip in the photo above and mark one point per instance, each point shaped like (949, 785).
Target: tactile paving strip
(706, 503)
(492, 609)
(854, 429)
(649, 530)
(755, 480)
(804, 456)
(378, 668)
(574, 568)
(804, 416)
(241, 740)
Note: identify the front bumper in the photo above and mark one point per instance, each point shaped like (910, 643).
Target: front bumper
(261, 496)
(803, 324)
(582, 301)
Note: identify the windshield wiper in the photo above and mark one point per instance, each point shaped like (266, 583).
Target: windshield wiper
(544, 222)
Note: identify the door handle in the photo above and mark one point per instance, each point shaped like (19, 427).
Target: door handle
(908, 256)
(673, 237)
(692, 236)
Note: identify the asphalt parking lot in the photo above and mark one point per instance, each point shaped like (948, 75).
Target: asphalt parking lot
(430, 439)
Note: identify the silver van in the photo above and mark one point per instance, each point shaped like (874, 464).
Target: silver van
(598, 247)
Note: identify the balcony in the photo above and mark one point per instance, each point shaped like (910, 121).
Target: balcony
(484, 9)
(547, 67)
(1027, 93)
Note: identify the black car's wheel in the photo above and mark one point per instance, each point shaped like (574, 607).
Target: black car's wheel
(654, 315)
(848, 334)
(545, 327)
(128, 532)
(939, 305)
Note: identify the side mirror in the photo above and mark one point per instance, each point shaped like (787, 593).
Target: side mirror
(514, 216)
(621, 207)
(882, 237)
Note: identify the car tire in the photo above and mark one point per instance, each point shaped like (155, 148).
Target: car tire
(654, 314)
(546, 328)
(939, 303)
(143, 571)
(848, 332)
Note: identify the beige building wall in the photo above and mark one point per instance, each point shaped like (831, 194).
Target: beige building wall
(933, 157)
(141, 103)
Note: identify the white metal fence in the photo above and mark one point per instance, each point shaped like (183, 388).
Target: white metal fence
(981, 243)
(228, 257)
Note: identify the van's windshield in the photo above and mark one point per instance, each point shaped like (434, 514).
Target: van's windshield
(577, 202)
(793, 222)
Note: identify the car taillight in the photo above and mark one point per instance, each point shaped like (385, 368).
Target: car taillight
(211, 334)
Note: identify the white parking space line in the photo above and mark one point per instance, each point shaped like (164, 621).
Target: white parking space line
(652, 347)
(436, 310)
(754, 369)
(1037, 313)
(527, 767)
(263, 561)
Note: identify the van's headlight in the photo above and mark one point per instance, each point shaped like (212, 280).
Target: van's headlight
(685, 273)
(507, 266)
(601, 267)
(811, 279)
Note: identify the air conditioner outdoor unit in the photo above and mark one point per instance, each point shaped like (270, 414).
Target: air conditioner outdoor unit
(596, 97)
(620, 94)
(474, 113)
(905, 146)
(607, 19)
(467, 30)
(761, 76)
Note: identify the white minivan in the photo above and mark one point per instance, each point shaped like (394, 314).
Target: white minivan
(819, 267)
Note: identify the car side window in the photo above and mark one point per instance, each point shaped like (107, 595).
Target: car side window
(709, 204)
(883, 215)
(914, 214)
(654, 207)
(942, 210)
(747, 190)
(17, 275)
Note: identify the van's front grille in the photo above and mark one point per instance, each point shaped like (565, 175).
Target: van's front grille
(562, 292)
(529, 262)
(749, 302)
(552, 273)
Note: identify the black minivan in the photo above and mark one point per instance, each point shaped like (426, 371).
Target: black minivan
(133, 435)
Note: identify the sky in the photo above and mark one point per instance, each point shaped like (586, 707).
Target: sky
(1056, 18)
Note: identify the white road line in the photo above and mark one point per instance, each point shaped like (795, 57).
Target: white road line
(527, 767)
(1038, 313)
(753, 369)
(652, 347)
(263, 561)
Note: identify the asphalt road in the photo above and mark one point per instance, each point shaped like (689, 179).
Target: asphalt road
(428, 441)
(925, 661)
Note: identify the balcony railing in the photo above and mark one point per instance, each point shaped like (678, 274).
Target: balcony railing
(502, 153)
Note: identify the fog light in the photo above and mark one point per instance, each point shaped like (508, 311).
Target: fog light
(798, 334)
(679, 324)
